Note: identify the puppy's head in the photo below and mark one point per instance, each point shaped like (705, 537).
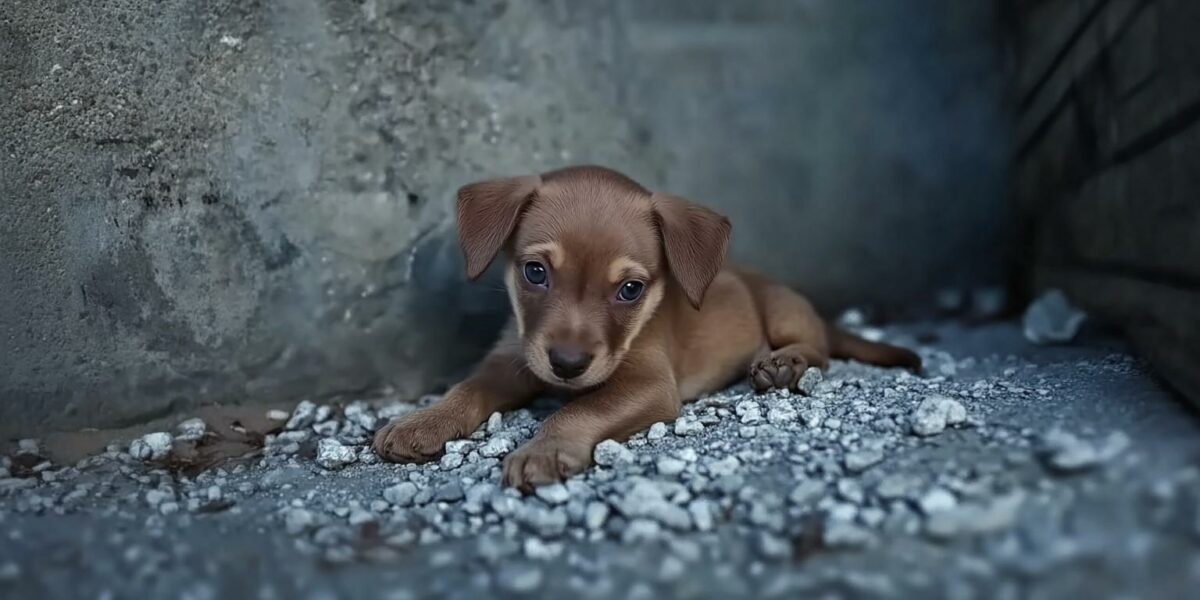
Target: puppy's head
(591, 255)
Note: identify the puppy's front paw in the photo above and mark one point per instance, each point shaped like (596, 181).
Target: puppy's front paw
(780, 370)
(545, 461)
(417, 437)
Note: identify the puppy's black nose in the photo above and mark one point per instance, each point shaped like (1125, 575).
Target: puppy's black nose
(569, 363)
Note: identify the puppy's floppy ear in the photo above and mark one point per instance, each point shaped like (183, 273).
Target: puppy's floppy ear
(695, 239)
(487, 213)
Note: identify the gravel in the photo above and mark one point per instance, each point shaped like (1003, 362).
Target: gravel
(809, 381)
(935, 413)
(724, 502)
(1051, 319)
(554, 494)
(860, 460)
(497, 447)
(1065, 451)
(152, 446)
(331, 454)
(611, 452)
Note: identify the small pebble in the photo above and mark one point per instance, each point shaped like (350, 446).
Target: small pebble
(688, 426)
(152, 446)
(611, 452)
(331, 454)
(553, 494)
(657, 431)
(496, 447)
(494, 423)
(935, 413)
(809, 381)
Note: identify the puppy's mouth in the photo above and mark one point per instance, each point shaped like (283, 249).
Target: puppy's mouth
(593, 377)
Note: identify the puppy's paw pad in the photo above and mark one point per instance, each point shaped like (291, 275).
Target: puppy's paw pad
(543, 462)
(416, 438)
(779, 370)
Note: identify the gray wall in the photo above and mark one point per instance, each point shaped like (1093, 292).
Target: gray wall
(232, 200)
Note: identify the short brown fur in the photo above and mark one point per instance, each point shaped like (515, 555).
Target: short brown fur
(696, 327)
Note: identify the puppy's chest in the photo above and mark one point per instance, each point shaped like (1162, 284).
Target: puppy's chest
(714, 349)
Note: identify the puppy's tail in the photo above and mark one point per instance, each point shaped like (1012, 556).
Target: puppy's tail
(843, 344)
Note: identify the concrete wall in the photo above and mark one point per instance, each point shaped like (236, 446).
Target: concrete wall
(1106, 174)
(238, 200)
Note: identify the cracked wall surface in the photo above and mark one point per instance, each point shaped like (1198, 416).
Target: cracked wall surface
(232, 201)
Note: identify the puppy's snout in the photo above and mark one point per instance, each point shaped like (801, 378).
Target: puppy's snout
(568, 362)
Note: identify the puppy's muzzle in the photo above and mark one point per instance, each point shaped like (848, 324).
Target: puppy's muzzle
(567, 362)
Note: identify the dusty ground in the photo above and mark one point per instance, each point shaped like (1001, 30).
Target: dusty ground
(1009, 470)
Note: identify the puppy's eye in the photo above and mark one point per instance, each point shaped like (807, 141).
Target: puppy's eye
(535, 273)
(630, 291)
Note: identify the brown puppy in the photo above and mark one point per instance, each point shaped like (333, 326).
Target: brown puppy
(620, 301)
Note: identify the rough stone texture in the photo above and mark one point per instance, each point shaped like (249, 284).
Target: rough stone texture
(970, 513)
(1108, 136)
(248, 201)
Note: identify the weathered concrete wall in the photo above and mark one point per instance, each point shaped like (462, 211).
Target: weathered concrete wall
(233, 200)
(1107, 186)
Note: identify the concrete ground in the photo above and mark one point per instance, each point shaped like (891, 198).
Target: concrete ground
(1008, 470)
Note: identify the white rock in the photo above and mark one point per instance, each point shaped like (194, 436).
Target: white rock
(359, 516)
(1051, 319)
(748, 412)
(701, 511)
(496, 447)
(303, 416)
(688, 426)
(537, 549)
(494, 423)
(935, 500)
(809, 381)
(935, 413)
(451, 461)
(191, 429)
(553, 494)
(401, 494)
(298, 520)
(595, 515)
(277, 415)
(813, 417)
(1066, 452)
(726, 466)
(781, 414)
(611, 452)
(152, 446)
(331, 454)
(156, 497)
(806, 492)
(657, 431)
(669, 466)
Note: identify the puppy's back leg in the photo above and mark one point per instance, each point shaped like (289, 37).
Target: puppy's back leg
(796, 336)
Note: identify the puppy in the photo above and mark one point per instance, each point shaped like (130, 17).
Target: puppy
(621, 302)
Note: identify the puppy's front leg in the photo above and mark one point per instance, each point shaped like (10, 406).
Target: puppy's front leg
(639, 394)
(500, 383)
